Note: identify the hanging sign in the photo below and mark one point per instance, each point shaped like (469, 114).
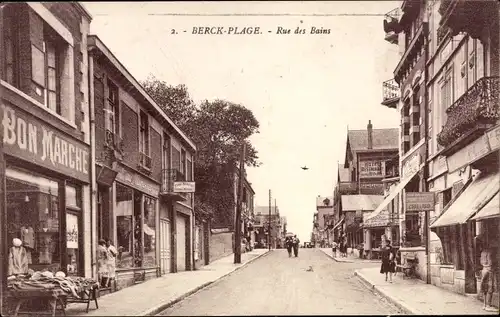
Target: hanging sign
(419, 201)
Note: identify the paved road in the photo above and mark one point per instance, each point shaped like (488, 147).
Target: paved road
(278, 285)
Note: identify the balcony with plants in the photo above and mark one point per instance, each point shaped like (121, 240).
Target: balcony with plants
(475, 111)
(391, 25)
(470, 16)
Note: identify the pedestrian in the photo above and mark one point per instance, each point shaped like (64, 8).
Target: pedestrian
(388, 266)
(112, 253)
(102, 263)
(296, 242)
(334, 249)
(488, 274)
(289, 245)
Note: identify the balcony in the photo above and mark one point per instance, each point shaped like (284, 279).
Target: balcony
(474, 111)
(391, 26)
(390, 93)
(470, 16)
(168, 177)
(145, 162)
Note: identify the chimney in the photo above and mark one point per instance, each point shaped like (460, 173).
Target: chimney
(370, 134)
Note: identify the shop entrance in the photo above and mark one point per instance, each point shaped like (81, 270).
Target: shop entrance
(181, 242)
(165, 231)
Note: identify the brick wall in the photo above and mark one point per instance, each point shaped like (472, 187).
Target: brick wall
(221, 244)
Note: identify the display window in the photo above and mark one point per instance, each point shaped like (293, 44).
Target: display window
(149, 228)
(124, 226)
(33, 218)
(73, 218)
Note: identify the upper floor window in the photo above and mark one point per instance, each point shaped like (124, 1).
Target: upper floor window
(38, 60)
(166, 151)
(189, 170)
(112, 109)
(183, 162)
(447, 88)
(144, 133)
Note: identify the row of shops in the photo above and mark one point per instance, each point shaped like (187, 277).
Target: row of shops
(69, 179)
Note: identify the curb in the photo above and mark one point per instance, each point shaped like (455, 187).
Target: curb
(335, 259)
(407, 310)
(161, 307)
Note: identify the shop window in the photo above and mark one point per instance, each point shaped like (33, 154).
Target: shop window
(124, 226)
(149, 229)
(138, 253)
(33, 217)
(73, 234)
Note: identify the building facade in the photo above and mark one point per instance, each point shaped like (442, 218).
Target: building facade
(138, 153)
(46, 135)
(448, 77)
(267, 226)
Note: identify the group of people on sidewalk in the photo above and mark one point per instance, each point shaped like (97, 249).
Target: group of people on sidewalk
(341, 246)
(106, 262)
(292, 243)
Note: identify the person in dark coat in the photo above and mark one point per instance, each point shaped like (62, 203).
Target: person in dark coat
(289, 245)
(296, 243)
(388, 265)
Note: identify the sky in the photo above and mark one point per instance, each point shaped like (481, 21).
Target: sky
(306, 90)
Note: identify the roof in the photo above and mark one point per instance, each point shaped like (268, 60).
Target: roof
(361, 202)
(95, 42)
(383, 139)
(343, 174)
(264, 210)
(320, 201)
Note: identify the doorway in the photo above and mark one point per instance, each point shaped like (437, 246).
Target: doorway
(165, 231)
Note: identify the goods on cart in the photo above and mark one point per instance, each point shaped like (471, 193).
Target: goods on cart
(71, 285)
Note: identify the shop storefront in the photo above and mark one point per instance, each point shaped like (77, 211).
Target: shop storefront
(47, 172)
(135, 225)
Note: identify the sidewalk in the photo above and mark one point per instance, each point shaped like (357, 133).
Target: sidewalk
(349, 259)
(418, 298)
(154, 296)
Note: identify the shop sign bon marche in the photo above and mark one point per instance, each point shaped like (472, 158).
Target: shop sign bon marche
(28, 138)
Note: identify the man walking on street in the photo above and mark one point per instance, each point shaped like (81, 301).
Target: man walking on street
(296, 242)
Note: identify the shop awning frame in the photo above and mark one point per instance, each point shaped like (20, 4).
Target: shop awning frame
(480, 191)
(394, 193)
(339, 223)
(491, 210)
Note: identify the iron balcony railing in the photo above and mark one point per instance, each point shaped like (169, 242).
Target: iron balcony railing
(390, 91)
(477, 105)
(168, 177)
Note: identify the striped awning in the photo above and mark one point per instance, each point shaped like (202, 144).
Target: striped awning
(491, 210)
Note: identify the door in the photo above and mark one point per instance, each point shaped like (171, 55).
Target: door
(181, 243)
(164, 246)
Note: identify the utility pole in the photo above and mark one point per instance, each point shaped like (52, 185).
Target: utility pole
(269, 223)
(237, 236)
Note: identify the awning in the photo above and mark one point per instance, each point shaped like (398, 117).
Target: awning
(480, 191)
(393, 194)
(491, 210)
(360, 202)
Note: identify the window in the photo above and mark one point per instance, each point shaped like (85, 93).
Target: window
(112, 109)
(183, 163)
(144, 133)
(166, 151)
(124, 226)
(73, 234)
(52, 75)
(33, 217)
(149, 229)
(189, 171)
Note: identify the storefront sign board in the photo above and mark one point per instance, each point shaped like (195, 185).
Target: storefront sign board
(469, 154)
(439, 166)
(184, 187)
(29, 138)
(412, 164)
(137, 181)
(419, 201)
(370, 169)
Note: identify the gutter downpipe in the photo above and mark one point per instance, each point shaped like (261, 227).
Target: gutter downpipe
(93, 197)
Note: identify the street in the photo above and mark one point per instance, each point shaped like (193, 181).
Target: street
(278, 285)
